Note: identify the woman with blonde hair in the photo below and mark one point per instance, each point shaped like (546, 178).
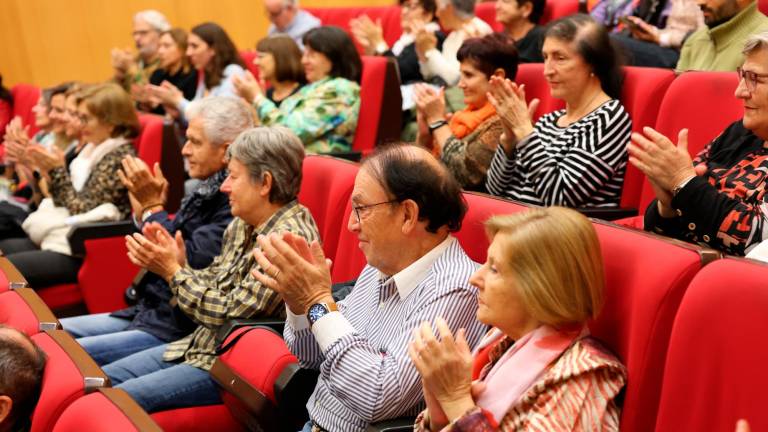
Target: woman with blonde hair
(174, 69)
(537, 368)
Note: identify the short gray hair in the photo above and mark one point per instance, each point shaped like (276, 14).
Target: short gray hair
(755, 42)
(154, 18)
(223, 117)
(464, 8)
(276, 150)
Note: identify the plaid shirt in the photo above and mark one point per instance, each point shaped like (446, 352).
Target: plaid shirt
(226, 289)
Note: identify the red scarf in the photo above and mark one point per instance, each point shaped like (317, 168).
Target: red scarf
(467, 120)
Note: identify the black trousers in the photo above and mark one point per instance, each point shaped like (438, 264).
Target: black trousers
(641, 53)
(40, 268)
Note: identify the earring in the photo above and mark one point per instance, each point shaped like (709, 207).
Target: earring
(592, 74)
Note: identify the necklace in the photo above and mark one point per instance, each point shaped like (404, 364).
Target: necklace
(572, 118)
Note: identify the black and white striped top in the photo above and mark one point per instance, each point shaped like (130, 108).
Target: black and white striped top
(366, 374)
(581, 165)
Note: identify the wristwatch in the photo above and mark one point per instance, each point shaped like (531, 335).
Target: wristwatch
(319, 310)
(437, 125)
(147, 213)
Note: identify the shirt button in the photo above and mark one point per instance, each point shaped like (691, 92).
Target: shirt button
(706, 238)
(691, 226)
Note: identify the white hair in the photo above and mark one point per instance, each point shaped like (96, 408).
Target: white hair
(755, 42)
(223, 117)
(154, 18)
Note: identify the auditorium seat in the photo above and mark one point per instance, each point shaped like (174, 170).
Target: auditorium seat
(106, 410)
(340, 16)
(349, 260)
(25, 97)
(486, 11)
(532, 75)
(70, 373)
(380, 117)
(197, 419)
(249, 57)
(24, 310)
(703, 102)
(326, 186)
(715, 368)
(646, 277)
(10, 278)
(556, 9)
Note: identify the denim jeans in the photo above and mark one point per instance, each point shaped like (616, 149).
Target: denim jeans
(159, 385)
(105, 338)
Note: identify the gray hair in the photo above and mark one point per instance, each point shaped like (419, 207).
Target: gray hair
(755, 42)
(464, 8)
(276, 150)
(154, 18)
(223, 117)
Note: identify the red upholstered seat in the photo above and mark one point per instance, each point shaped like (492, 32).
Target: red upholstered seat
(380, 118)
(556, 9)
(486, 11)
(197, 419)
(69, 374)
(149, 144)
(249, 57)
(106, 410)
(532, 75)
(715, 368)
(25, 311)
(25, 97)
(703, 102)
(481, 207)
(762, 5)
(340, 16)
(10, 278)
(325, 189)
(646, 277)
(349, 260)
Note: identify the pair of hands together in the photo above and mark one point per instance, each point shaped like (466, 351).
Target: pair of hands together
(22, 150)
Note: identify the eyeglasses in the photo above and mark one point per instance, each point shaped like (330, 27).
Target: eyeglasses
(367, 206)
(750, 78)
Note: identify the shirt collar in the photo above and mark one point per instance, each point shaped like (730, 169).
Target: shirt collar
(728, 30)
(410, 277)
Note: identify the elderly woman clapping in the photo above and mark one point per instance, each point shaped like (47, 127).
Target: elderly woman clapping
(718, 197)
(538, 367)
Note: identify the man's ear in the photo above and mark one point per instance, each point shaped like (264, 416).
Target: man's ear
(410, 215)
(6, 405)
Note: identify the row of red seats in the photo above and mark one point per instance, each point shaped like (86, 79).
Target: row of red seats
(664, 316)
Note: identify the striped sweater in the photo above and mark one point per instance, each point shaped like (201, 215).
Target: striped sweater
(580, 165)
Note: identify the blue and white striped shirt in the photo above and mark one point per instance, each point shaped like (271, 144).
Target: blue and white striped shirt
(362, 350)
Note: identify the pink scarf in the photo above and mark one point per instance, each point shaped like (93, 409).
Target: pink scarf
(521, 365)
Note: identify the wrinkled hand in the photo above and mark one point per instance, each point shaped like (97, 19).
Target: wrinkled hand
(445, 366)
(16, 152)
(663, 162)
(44, 160)
(644, 31)
(429, 102)
(156, 251)
(122, 60)
(247, 87)
(369, 34)
(146, 188)
(16, 131)
(299, 272)
(425, 41)
(508, 99)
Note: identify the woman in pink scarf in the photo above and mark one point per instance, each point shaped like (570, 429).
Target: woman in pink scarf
(538, 368)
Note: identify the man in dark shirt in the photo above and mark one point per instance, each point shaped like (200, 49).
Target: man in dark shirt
(520, 20)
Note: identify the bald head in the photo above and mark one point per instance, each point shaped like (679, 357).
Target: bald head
(408, 172)
(21, 373)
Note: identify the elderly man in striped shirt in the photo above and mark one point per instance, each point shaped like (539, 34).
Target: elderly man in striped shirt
(405, 206)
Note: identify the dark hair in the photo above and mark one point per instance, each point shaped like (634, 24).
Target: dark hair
(226, 53)
(336, 44)
(490, 52)
(5, 94)
(429, 185)
(537, 9)
(429, 6)
(179, 36)
(287, 57)
(594, 46)
(21, 375)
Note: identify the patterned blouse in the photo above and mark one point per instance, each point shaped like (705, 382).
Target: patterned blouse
(102, 186)
(577, 393)
(322, 114)
(226, 290)
(469, 158)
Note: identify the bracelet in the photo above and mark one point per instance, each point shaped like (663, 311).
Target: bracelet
(146, 212)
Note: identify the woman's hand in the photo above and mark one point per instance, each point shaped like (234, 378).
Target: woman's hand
(644, 31)
(166, 93)
(247, 87)
(156, 251)
(146, 189)
(429, 102)
(516, 116)
(368, 34)
(445, 367)
(44, 160)
(664, 163)
(425, 41)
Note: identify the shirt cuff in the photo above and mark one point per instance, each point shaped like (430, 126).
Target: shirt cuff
(330, 328)
(297, 322)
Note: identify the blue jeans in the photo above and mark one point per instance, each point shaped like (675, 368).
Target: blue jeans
(158, 385)
(106, 339)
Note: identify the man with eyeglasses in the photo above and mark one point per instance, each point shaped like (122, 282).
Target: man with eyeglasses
(718, 198)
(286, 17)
(405, 205)
(135, 69)
(717, 45)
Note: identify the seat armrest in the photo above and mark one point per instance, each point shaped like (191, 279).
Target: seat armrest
(78, 234)
(402, 424)
(230, 326)
(608, 213)
(293, 387)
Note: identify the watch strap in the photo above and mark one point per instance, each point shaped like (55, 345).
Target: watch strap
(437, 125)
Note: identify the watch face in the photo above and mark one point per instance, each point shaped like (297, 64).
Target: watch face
(316, 311)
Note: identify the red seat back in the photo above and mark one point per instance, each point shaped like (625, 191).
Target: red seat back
(486, 11)
(556, 9)
(646, 277)
(481, 207)
(380, 115)
(25, 97)
(349, 260)
(715, 369)
(24, 310)
(641, 95)
(532, 75)
(69, 374)
(249, 56)
(197, 419)
(105, 274)
(149, 143)
(703, 102)
(326, 186)
(108, 409)
(762, 5)
(340, 16)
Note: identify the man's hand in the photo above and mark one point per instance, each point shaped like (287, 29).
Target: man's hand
(156, 251)
(299, 272)
(644, 31)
